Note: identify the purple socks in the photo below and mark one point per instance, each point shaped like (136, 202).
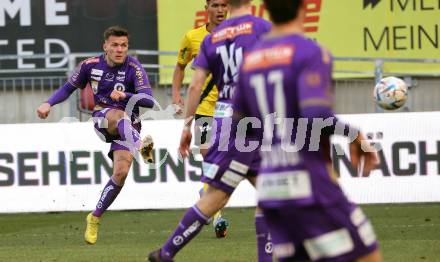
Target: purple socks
(264, 244)
(108, 195)
(190, 225)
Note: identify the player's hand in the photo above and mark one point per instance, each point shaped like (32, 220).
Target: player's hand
(178, 109)
(185, 141)
(43, 110)
(117, 95)
(360, 149)
(178, 104)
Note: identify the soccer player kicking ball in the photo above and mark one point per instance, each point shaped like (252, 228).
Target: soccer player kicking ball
(120, 86)
(224, 167)
(289, 76)
(189, 48)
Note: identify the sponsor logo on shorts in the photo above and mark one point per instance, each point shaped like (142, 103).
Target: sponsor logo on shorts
(367, 234)
(284, 250)
(231, 179)
(209, 170)
(178, 240)
(329, 245)
(239, 167)
(357, 217)
(268, 248)
(97, 72)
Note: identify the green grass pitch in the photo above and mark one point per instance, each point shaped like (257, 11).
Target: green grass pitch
(409, 232)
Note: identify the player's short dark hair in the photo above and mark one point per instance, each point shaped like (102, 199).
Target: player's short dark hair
(283, 11)
(115, 31)
(238, 3)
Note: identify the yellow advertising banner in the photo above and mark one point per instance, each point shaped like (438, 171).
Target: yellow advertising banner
(361, 29)
(175, 18)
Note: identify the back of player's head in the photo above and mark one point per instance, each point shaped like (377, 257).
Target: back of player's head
(115, 31)
(283, 11)
(238, 3)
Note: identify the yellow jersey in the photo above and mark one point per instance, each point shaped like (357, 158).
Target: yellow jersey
(189, 48)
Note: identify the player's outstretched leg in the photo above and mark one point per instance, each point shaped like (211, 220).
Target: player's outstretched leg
(108, 195)
(220, 224)
(190, 225)
(131, 137)
(264, 244)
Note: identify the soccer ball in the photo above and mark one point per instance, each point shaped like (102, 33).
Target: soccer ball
(390, 93)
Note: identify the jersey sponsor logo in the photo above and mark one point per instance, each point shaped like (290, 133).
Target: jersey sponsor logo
(96, 78)
(286, 185)
(119, 87)
(139, 76)
(121, 73)
(94, 85)
(223, 110)
(109, 77)
(264, 58)
(232, 32)
(120, 78)
(97, 72)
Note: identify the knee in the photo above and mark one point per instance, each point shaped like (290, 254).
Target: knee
(120, 174)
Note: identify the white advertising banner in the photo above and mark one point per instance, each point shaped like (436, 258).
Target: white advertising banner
(409, 168)
(64, 166)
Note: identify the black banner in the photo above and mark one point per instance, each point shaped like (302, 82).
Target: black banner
(30, 27)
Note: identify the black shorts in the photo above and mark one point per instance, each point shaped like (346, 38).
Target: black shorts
(202, 129)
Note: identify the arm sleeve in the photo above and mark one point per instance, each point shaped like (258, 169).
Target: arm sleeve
(61, 94)
(79, 77)
(185, 53)
(141, 86)
(315, 91)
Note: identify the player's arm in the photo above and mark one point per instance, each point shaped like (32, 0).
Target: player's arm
(143, 92)
(315, 92)
(77, 80)
(194, 92)
(315, 95)
(200, 75)
(183, 58)
(178, 76)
